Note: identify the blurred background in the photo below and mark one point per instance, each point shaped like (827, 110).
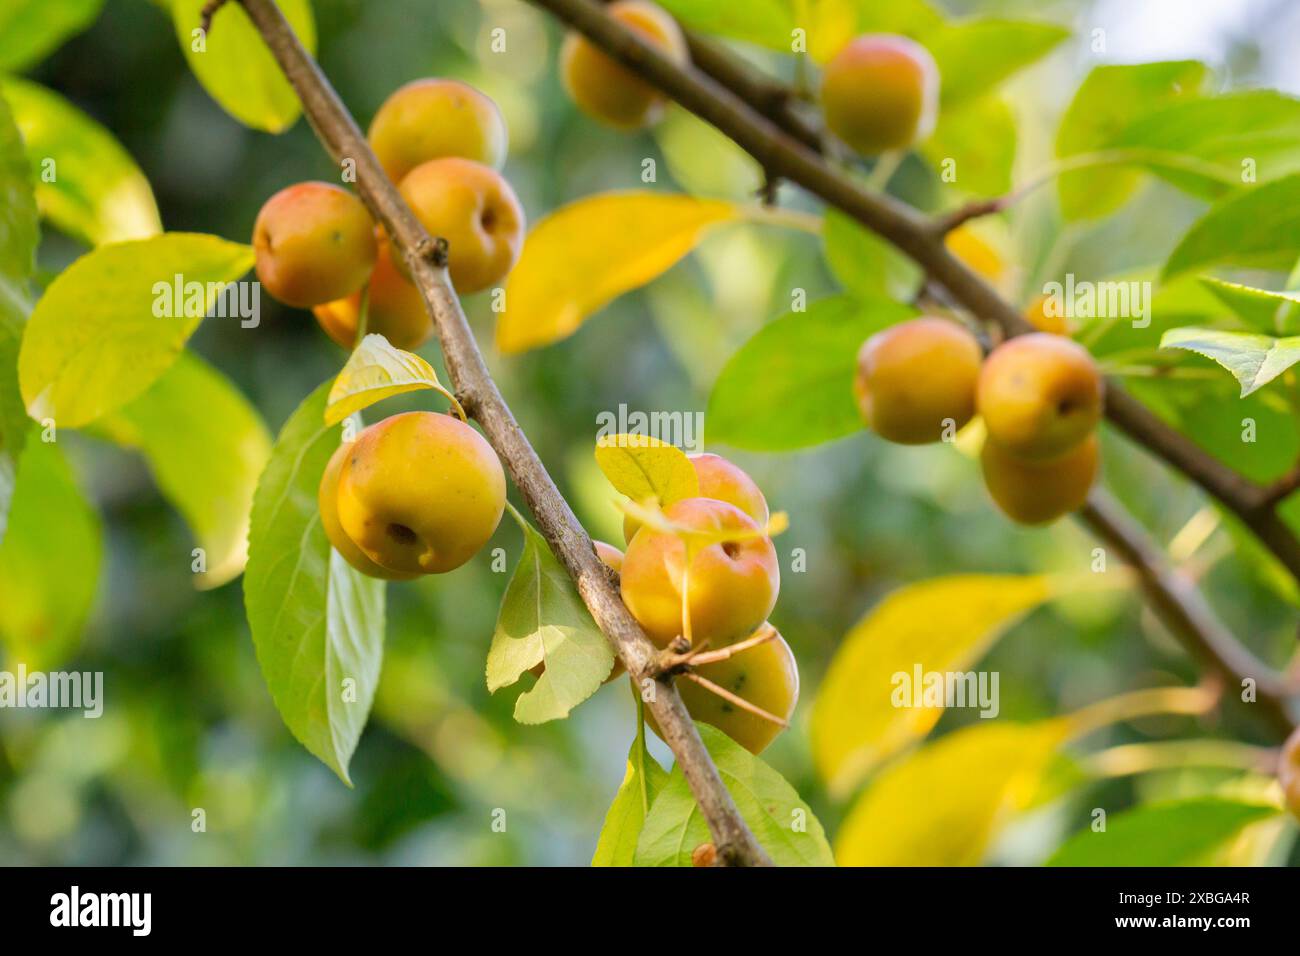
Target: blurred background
(188, 722)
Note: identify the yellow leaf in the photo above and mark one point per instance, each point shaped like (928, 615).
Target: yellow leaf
(375, 371)
(647, 469)
(832, 24)
(941, 625)
(943, 804)
(583, 256)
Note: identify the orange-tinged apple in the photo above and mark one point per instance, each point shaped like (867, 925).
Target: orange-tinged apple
(607, 91)
(475, 210)
(765, 675)
(881, 93)
(721, 479)
(915, 381)
(420, 492)
(732, 585)
(1039, 395)
(1038, 492)
(435, 117)
(394, 308)
(313, 242)
(327, 499)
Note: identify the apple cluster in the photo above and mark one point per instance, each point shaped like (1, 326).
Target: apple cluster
(719, 593)
(1039, 395)
(443, 142)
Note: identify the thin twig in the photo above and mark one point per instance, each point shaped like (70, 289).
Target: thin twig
(674, 662)
(733, 699)
(1180, 606)
(478, 393)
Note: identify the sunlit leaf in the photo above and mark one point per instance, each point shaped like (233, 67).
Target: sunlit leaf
(1272, 312)
(235, 66)
(19, 234)
(866, 708)
(781, 822)
(791, 385)
(942, 804)
(642, 783)
(1178, 833)
(645, 468)
(206, 446)
(31, 29)
(1259, 227)
(979, 136)
(19, 227)
(86, 183)
(581, 257)
(1253, 359)
(1110, 98)
(109, 325)
(975, 55)
(866, 266)
(317, 623)
(766, 23)
(1204, 141)
(49, 561)
(543, 621)
(374, 371)
(14, 423)
(1211, 414)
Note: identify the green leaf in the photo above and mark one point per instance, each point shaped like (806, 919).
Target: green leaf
(1255, 360)
(942, 805)
(1219, 133)
(976, 55)
(626, 815)
(857, 720)
(863, 263)
(980, 137)
(14, 423)
(1273, 312)
(913, 18)
(791, 385)
(543, 621)
(234, 65)
(19, 235)
(49, 561)
(1255, 435)
(108, 326)
(31, 29)
(781, 822)
(207, 446)
(1111, 98)
(1177, 833)
(86, 183)
(19, 228)
(317, 623)
(767, 23)
(1259, 227)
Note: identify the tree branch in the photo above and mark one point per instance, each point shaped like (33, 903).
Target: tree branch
(1179, 604)
(720, 98)
(474, 386)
